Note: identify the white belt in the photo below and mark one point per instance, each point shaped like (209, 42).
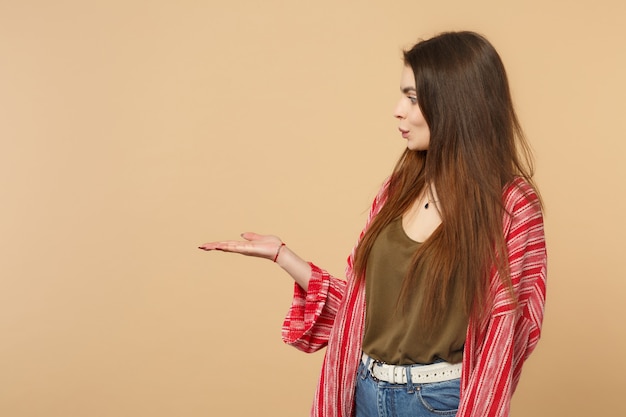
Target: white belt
(420, 374)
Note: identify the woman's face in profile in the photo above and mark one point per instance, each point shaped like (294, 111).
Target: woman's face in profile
(411, 122)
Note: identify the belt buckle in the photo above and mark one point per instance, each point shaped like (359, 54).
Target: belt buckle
(375, 362)
(389, 371)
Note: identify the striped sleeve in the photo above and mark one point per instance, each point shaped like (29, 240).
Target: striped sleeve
(312, 312)
(495, 352)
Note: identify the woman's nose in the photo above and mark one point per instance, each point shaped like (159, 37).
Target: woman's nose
(399, 112)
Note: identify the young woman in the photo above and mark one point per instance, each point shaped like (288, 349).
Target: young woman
(445, 288)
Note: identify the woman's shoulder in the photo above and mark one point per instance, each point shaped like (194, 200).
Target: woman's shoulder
(520, 192)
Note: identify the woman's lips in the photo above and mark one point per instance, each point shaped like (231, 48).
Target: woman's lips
(405, 133)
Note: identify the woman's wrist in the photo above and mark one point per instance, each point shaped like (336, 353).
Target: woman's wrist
(278, 251)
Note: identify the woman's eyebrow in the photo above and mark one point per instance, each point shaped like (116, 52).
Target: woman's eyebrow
(407, 90)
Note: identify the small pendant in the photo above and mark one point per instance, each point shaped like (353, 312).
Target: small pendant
(426, 205)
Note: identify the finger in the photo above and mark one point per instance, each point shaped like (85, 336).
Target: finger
(206, 246)
(251, 236)
(223, 245)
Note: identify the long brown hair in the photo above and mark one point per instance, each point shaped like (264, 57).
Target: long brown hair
(476, 148)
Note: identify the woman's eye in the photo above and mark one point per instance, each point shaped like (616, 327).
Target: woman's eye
(413, 99)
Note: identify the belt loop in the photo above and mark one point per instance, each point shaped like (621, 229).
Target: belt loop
(367, 365)
(410, 388)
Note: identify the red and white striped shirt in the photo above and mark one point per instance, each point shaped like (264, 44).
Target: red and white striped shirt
(332, 313)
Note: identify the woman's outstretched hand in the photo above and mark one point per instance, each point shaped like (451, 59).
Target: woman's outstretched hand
(260, 246)
(267, 247)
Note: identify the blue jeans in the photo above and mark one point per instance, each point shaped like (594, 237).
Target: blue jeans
(383, 399)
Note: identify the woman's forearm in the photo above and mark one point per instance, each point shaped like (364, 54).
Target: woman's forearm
(298, 268)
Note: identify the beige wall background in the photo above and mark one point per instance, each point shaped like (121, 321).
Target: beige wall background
(132, 131)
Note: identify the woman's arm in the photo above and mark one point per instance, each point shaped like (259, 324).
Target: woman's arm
(317, 294)
(266, 247)
(494, 355)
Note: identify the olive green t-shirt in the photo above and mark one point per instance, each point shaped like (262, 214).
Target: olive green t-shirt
(392, 333)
